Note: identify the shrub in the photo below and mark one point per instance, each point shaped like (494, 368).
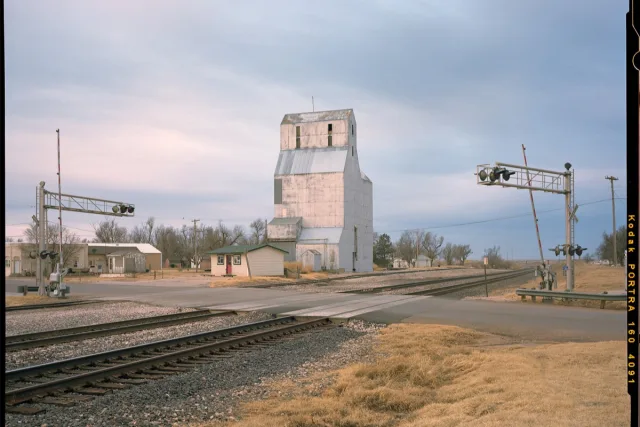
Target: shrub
(172, 266)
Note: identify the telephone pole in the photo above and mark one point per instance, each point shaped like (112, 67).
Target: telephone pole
(195, 242)
(613, 208)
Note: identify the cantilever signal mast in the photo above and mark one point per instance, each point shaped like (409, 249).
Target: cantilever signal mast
(533, 207)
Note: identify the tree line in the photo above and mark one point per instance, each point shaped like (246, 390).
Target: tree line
(184, 245)
(411, 244)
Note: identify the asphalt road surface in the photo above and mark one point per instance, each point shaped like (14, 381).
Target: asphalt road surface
(526, 320)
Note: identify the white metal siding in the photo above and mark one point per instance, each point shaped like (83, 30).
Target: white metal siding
(266, 262)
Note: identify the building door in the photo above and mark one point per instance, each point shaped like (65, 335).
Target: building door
(228, 264)
(16, 266)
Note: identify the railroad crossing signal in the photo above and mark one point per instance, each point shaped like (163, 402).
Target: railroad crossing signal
(577, 250)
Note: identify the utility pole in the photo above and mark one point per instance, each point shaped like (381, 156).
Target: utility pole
(195, 243)
(613, 208)
(61, 286)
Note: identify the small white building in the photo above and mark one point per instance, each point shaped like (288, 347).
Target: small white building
(239, 260)
(126, 260)
(400, 263)
(423, 261)
(323, 200)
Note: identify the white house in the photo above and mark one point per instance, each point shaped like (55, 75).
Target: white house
(323, 200)
(240, 260)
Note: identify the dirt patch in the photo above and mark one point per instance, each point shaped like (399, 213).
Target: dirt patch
(18, 300)
(430, 375)
(589, 278)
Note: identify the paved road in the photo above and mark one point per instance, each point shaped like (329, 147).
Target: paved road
(529, 321)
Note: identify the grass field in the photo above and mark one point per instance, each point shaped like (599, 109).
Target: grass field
(445, 376)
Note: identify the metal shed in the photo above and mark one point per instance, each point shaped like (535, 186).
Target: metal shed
(129, 260)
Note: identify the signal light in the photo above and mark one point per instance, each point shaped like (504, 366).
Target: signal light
(572, 250)
(33, 254)
(495, 174)
(130, 209)
(579, 250)
(52, 255)
(43, 254)
(507, 174)
(123, 209)
(557, 251)
(482, 175)
(115, 209)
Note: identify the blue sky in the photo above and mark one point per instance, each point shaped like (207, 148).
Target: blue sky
(175, 106)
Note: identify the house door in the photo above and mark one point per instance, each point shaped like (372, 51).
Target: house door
(16, 267)
(228, 264)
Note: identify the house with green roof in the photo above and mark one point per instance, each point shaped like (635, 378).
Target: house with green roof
(248, 260)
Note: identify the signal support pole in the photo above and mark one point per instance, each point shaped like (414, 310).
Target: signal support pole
(613, 209)
(195, 242)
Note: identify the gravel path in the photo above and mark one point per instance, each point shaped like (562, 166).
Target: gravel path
(68, 350)
(373, 282)
(28, 321)
(213, 391)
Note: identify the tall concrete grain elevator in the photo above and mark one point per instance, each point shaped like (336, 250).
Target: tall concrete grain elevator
(323, 201)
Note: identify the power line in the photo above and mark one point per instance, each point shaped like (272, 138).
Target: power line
(489, 220)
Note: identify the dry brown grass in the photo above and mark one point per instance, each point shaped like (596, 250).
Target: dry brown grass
(14, 301)
(589, 278)
(444, 376)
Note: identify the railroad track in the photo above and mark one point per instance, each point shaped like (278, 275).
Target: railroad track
(39, 339)
(67, 382)
(50, 305)
(445, 290)
(333, 279)
(408, 285)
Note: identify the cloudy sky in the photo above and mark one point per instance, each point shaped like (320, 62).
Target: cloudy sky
(175, 106)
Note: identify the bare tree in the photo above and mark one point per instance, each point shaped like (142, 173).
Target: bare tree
(258, 231)
(71, 244)
(143, 233)
(108, 231)
(449, 253)
(405, 246)
(462, 252)
(432, 244)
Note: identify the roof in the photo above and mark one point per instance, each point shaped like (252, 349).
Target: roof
(286, 221)
(365, 177)
(316, 116)
(240, 249)
(312, 160)
(144, 248)
(318, 234)
(125, 251)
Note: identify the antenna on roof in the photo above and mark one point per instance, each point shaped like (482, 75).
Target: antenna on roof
(313, 105)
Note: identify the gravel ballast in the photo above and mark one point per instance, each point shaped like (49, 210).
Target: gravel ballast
(213, 391)
(28, 321)
(34, 356)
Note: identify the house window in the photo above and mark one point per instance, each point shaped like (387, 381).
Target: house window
(7, 263)
(92, 263)
(75, 263)
(352, 130)
(297, 136)
(277, 191)
(220, 259)
(236, 260)
(330, 131)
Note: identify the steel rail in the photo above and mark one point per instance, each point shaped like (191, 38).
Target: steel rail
(444, 290)
(38, 339)
(130, 366)
(140, 348)
(51, 305)
(378, 289)
(333, 279)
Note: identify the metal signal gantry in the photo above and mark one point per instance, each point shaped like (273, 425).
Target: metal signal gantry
(549, 181)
